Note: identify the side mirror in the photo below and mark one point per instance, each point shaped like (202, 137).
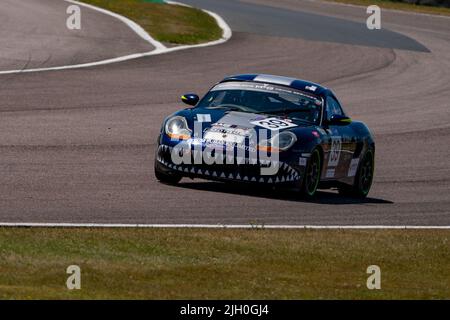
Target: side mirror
(338, 119)
(190, 99)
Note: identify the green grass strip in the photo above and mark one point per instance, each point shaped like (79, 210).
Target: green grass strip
(224, 264)
(166, 23)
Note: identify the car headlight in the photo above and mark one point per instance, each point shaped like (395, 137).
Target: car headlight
(177, 128)
(281, 141)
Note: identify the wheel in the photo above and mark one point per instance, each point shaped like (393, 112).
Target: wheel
(363, 178)
(311, 178)
(169, 178)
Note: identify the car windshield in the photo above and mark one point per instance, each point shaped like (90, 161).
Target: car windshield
(263, 98)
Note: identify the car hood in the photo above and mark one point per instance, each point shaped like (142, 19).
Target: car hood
(243, 120)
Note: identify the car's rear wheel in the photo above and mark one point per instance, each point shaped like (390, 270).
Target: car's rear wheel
(363, 178)
(311, 178)
(169, 178)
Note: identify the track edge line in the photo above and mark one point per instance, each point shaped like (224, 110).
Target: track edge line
(215, 226)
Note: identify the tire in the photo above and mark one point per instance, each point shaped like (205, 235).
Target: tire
(311, 178)
(168, 178)
(363, 178)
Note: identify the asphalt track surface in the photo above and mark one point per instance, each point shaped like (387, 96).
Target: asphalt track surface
(78, 145)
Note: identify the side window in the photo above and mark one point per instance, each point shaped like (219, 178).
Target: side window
(333, 108)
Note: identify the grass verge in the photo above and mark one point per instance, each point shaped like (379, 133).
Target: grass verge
(224, 264)
(166, 23)
(388, 4)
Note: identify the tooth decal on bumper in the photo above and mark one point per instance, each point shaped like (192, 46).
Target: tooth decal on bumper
(288, 173)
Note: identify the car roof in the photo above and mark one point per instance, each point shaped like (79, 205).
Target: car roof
(299, 84)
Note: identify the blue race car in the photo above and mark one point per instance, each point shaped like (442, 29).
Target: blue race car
(270, 130)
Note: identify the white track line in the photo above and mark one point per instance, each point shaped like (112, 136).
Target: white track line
(159, 47)
(210, 226)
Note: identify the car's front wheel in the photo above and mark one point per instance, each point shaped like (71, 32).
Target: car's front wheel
(169, 178)
(363, 179)
(311, 178)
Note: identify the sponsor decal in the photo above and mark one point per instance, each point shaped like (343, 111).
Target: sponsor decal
(353, 167)
(311, 88)
(302, 161)
(274, 79)
(273, 123)
(306, 155)
(203, 117)
(223, 135)
(219, 144)
(266, 87)
(330, 173)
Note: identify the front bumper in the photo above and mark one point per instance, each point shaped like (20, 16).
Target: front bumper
(248, 171)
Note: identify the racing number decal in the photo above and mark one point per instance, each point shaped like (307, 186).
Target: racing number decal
(335, 152)
(273, 124)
